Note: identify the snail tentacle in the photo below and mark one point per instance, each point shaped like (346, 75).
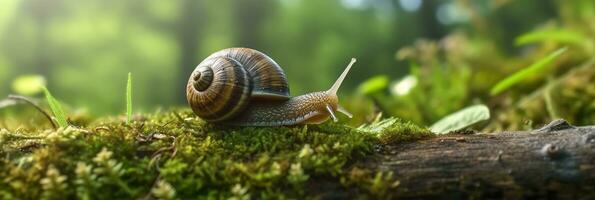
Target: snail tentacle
(331, 112)
(344, 111)
(339, 81)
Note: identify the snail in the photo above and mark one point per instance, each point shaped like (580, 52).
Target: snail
(244, 87)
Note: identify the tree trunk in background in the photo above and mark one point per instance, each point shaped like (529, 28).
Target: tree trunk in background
(249, 17)
(42, 12)
(556, 161)
(431, 28)
(191, 19)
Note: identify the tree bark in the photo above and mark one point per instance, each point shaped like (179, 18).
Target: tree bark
(557, 161)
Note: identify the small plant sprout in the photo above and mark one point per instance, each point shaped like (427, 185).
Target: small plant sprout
(129, 98)
(54, 184)
(59, 115)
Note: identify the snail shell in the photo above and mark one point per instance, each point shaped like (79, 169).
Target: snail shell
(224, 83)
(244, 87)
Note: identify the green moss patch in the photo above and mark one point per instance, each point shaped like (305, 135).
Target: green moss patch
(173, 155)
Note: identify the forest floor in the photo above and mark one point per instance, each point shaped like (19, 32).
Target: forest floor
(174, 155)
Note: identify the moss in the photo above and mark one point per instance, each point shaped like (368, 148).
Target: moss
(396, 130)
(173, 155)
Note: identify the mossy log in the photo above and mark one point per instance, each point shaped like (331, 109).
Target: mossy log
(556, 161)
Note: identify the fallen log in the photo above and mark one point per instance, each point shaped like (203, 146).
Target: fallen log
(556, 161)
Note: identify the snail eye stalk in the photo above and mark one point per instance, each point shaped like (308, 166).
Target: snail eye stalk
(339, 81)
(335, 88)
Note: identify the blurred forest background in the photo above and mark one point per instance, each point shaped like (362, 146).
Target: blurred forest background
(417, 59)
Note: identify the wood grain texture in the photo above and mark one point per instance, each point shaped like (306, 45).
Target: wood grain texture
(557, 161)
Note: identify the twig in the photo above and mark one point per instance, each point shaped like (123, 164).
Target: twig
(156, 156)
(25, 99)
(101, 128)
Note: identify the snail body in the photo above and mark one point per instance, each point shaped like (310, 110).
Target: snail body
(244, 87)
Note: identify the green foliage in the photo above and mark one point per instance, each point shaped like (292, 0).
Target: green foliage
(421, 96)
(174, 155)
(534, 69)
(28, 84)
(563, 36)
(110, 171)
(129, 98)
(54, 184)
(374, 85)
(163, 190)
(461, 119)
(56, 108)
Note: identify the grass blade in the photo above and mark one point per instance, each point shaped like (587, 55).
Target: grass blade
(526, 72)
(374, 85)
(562, 36)
(129, 98)
(56, 108)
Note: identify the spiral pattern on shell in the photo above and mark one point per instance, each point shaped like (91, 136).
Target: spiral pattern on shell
(223, 85)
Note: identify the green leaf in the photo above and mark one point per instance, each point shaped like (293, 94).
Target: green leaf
(129, 98)
(28, 84)
(374, 85)
(56, 108)
(519, 76)
(557, 35)
(404, 86)
(461, 119)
